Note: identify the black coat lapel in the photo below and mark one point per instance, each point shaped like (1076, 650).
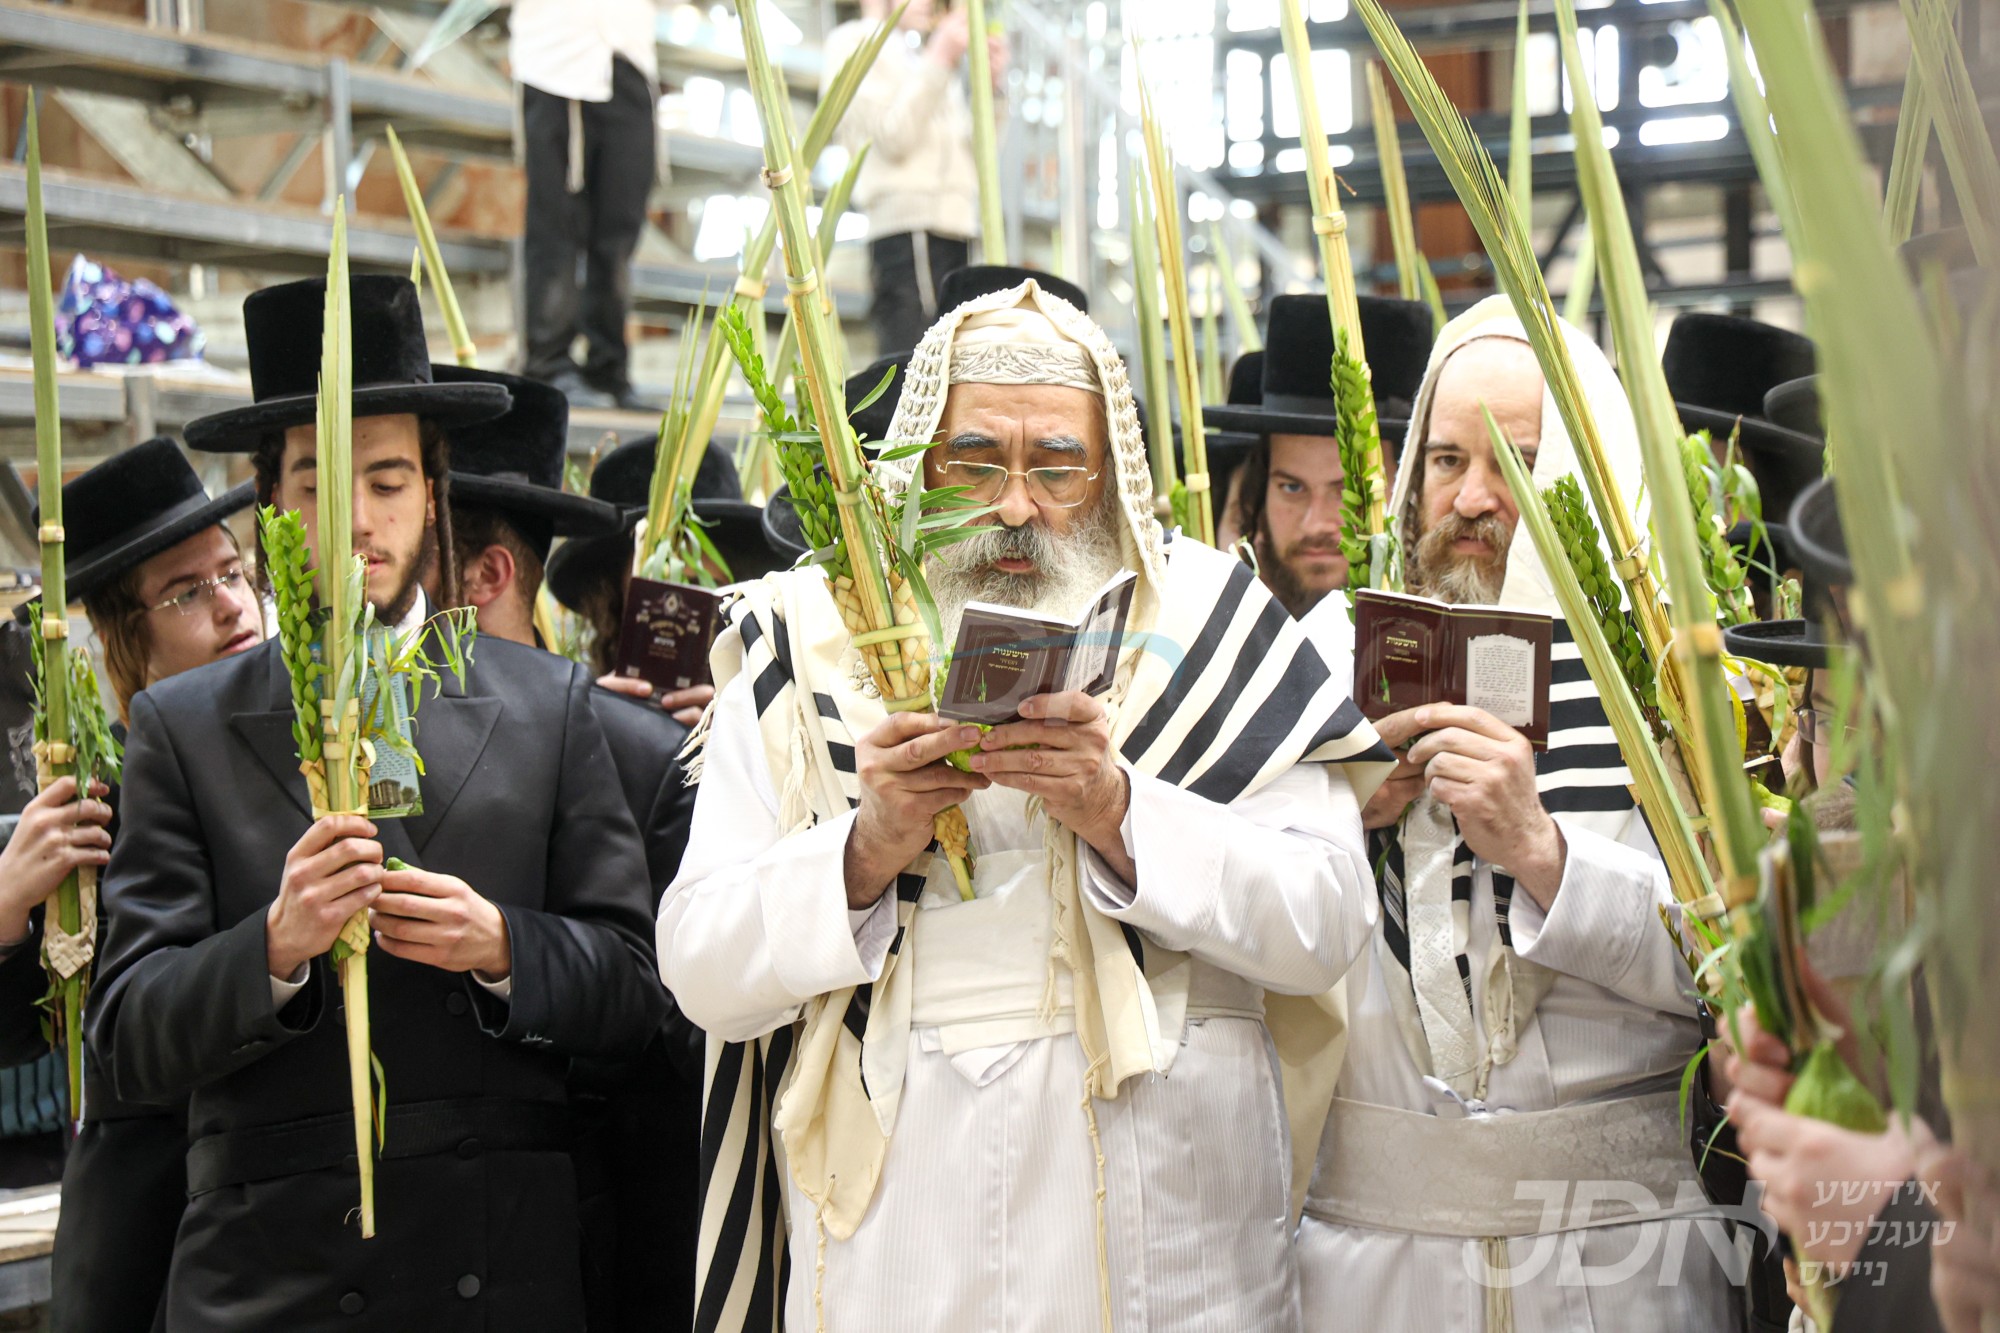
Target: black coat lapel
(269, 736)
(452, 731)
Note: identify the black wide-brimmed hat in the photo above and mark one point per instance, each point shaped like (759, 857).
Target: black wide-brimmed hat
(624, 478)
(131, 507)
(1816, 541)
(1718, 368)
(1295, 389)
(1795, 406)
(972, 281)
(782, 529)
(392, 364)
(1818, 538)
(514, 463)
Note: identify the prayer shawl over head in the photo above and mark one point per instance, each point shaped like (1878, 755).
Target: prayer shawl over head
(1423, 870)
(1217, 691)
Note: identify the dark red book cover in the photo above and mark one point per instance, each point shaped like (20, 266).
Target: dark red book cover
(1004, 656)
(666, 634)
(1410, 651)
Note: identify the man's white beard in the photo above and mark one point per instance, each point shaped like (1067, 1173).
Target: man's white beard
(1068, 569)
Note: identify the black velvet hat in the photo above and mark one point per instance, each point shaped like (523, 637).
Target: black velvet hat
(131, 507)
(624, 478)
(1820, 548)
(1295, 391)
(1230, 449)
(871, 423)
(1795, 406)
(976, 280)
(1718, 368)
(514, 463)
(1818, 537)
(392, 364)
(782, 529)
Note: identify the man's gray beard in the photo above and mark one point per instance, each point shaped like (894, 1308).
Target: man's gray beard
(1068, 569)
(1434, 570)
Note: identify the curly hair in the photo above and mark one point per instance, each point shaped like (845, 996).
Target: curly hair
(434, 450)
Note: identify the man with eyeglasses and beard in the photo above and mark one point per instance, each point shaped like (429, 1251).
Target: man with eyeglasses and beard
(971, 1126)
(1520, 1017)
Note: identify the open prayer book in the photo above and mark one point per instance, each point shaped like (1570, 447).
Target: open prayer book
(1004, 655)
(666, 634)
(1410, 651)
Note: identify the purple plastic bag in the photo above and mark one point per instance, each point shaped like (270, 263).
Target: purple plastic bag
(102, 319)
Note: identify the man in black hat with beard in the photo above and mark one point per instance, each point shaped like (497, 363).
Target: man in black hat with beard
(162, 582)
(1286, 495)
(638, 1147)
(513, 941)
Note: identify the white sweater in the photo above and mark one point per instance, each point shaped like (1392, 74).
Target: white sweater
(912, 113)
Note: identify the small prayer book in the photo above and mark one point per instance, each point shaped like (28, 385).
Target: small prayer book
(1410, 651)
(666, 634)
(1004, 655)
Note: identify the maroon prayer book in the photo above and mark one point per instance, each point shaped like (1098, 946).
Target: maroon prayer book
(666, 634)
(1004, 655)
(1410, 651)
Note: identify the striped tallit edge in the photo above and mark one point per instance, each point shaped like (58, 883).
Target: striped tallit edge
(1581, 776)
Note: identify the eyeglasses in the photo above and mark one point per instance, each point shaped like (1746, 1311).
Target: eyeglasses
(1817, 726)
(1049, 487)
(200, 596)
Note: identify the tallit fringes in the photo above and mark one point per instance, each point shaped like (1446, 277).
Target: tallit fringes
(1097, 1158)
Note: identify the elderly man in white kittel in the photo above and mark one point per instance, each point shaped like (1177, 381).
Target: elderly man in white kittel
(978, 1121)
(1505, 1151)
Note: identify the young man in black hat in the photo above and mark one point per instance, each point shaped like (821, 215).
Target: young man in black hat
(162, 582)
(589, 575)
(515, 942)
(638, 1145)
(1287, 493)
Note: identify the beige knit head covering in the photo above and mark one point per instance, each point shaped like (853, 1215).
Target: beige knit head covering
(1025, 335)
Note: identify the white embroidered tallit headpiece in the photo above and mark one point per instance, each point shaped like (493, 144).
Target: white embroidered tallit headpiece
(1005, 337)
(1020, 345)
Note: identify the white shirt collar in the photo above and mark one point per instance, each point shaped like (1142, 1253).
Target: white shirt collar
(413, 619)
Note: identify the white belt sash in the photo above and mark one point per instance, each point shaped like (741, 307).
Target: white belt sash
(983, 975)
(1389, 1169)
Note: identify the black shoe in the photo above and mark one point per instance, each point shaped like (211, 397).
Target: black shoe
(579, 393)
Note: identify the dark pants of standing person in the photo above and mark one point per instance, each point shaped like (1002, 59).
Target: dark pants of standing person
(598, 224)
(906, 269)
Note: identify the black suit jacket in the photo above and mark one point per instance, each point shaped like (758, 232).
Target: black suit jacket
(639, 1144)
(475, 1194)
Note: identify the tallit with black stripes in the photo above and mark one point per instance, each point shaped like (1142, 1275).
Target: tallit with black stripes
(1219, 694)
(1581, 777)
